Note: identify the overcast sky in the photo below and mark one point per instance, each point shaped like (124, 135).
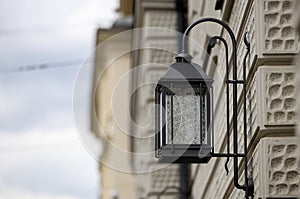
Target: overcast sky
(41, 156)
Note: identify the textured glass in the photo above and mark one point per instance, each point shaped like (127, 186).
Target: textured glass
(186, 118)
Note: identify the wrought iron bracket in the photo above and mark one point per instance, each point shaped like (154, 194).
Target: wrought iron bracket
(248, 185)
(235, 81)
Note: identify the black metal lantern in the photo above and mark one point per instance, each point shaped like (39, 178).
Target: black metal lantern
(183, 98)
(184, 122)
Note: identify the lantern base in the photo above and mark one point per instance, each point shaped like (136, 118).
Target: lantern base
(181, 153)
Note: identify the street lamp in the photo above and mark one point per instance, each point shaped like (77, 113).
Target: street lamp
(184, 111)
(184, 98)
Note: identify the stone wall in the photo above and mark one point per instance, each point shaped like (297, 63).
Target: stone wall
(271, 101)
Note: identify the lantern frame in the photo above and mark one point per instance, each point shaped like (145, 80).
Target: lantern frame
(182, 76)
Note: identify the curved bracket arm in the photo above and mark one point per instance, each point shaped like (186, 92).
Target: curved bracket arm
(231, 34)
(249, 181)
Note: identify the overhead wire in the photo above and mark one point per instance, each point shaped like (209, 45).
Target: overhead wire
(54, 28)
(42, 66)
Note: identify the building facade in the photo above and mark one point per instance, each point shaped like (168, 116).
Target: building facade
(115, 182)
(271, 95)
(112, 61)
(157, 47)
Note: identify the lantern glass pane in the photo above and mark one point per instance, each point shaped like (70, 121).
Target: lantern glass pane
(204, 120)
(189, 117)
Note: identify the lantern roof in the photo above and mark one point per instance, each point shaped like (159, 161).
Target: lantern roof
(184, 70)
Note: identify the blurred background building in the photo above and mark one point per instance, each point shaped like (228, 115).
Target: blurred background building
(115, 184)
(271, 98)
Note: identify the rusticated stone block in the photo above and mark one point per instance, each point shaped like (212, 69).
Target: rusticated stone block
(277, 95)
(279, 172)
(279, 34)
